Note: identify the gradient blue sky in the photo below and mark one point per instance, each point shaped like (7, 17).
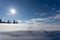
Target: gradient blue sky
(37, 11)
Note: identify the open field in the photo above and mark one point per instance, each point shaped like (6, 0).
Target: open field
(25, 32)
(30, 35)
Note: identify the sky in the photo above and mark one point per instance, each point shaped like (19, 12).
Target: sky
(31, 11)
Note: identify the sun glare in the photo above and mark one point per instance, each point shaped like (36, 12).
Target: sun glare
(12, 11)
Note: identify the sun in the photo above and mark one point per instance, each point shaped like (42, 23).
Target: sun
(12, 11)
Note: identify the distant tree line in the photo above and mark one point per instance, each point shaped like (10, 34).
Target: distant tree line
(14, 22)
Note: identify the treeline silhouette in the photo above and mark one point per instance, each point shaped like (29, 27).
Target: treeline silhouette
(14, 22)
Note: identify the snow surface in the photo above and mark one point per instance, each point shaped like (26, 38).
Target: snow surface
(27, 32)
(27, 27)
(30, 35)
(18, 27)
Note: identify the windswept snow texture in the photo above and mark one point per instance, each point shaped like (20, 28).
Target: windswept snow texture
(30, 35)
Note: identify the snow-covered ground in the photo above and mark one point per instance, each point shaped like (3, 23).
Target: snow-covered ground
(27, 32)
(12, 27)
(30, 35)
(19, 27)
(27, 27)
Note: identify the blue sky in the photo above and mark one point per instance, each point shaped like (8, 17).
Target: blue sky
(31, 11)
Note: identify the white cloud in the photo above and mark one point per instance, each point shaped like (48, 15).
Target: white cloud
(58, 10)
(57, 16)
(38, 21)
(53, 9)
(43, 14)
(44, 20)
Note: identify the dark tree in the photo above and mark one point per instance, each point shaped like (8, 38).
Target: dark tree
(0, 20)
(4, 22)
(8, 21)
(14, 22)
